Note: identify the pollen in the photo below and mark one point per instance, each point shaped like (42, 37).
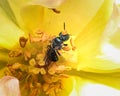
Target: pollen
(32, 62)
(27, 63)
(42, 71)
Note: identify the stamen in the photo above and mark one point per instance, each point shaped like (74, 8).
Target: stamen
(22, 41)
(16, 66)
(32, 62)
(26, 55)
(30, 68)
(15, 53)
(42, 71)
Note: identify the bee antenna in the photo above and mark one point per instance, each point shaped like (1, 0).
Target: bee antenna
(64, 25)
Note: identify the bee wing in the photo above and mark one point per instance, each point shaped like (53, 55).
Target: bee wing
(51, 55)
(47, 56)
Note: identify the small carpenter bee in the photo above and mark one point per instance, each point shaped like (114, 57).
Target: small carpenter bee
(56, 44)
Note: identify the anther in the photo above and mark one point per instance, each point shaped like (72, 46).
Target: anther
(22, 41)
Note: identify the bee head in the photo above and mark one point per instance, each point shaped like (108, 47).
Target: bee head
(64, 37)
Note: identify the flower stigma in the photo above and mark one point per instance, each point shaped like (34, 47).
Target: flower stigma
(36, 74)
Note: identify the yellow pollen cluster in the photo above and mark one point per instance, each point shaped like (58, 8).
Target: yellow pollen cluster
(27, 64)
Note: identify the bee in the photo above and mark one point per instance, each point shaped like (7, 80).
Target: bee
(56, 44)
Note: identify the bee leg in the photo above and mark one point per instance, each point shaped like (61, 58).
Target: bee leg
(58, 53)
(72, 44)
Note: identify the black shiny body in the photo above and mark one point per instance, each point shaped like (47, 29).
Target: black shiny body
(57, 43)
(52, 49)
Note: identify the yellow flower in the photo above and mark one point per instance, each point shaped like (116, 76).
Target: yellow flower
(93, 24)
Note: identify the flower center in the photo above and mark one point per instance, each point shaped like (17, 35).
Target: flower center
(37, 74)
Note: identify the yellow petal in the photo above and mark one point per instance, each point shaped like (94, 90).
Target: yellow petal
(32, 17)
(108, 60)
(3, 55)
(100, 65)
(103, 78)
(13, 10)
(78, 83)
(16, 6)
(2, 68)
(9, 32)
(116, 38)
(67, 84)
(7, 9)
(3, 61)
(38, 17)
(48, 3)
(83, 87)
(112, 31)
(88, 41)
